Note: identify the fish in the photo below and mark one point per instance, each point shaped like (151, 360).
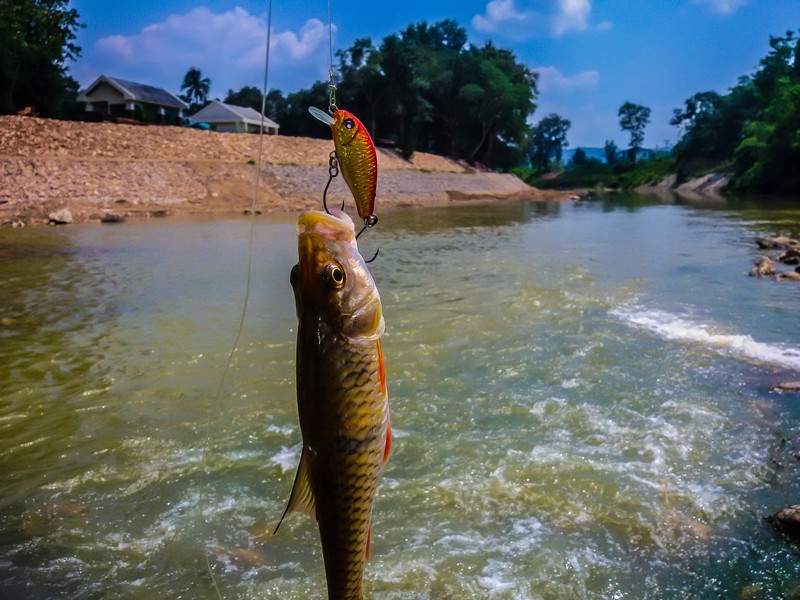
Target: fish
(357, 158)
(342, 399)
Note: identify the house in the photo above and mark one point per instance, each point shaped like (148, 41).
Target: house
(112, 97)
(232, 118)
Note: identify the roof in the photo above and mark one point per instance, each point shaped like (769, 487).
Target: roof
(134, 92)
(219, 112)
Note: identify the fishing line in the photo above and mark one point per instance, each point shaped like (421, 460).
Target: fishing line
(248, 280)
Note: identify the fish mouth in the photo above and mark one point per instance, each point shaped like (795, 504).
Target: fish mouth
(335, 224)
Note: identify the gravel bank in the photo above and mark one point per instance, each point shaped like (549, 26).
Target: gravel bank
(94, 169)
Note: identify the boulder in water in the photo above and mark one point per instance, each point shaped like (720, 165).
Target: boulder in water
(62, 216)
(787, 386)
(777, 243)
(787, 521)
(764, 267)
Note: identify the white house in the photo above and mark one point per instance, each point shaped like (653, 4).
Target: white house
(232, 118)
(114, 97)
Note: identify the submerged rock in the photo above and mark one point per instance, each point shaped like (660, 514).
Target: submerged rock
(764, 267)
(789, 257)
(62, 216)
(789, 276)
(112, 218)
(787, 521)
(777, 243)
(787, 386)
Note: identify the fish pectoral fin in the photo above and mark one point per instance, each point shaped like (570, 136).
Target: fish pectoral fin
(302, 498)
(387, 447)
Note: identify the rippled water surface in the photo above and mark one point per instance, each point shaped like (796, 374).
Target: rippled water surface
(579, 394)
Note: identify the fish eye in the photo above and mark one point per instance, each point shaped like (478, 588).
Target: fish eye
(333, 276)
(349, 123)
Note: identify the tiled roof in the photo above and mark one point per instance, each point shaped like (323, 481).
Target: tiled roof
(219, 112)
(139, 92)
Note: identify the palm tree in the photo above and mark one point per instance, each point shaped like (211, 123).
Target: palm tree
(196, 85)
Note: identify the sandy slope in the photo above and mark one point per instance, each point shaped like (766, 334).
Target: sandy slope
(96, 168)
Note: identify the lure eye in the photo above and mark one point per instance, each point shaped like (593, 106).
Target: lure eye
(333, 276)
(349, 123)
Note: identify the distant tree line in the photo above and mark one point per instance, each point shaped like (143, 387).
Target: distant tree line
(752, 130)
(423, 89)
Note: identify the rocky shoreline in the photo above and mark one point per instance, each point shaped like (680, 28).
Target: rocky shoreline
(78, 172)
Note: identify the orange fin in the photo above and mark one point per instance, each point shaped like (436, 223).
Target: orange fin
(369, 540)
(302, 498)
(387, 448)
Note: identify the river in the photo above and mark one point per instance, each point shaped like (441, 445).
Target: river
(579, 395)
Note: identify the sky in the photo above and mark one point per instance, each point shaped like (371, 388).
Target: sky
(591, 55)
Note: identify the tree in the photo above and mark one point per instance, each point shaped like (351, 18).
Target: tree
(766, 159)
(249, 96)
(36, 40)
(579, 158)
(634, 118)
(610, 150)
(548, 139)
(196, 87)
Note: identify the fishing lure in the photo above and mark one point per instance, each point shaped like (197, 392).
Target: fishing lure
(355, 153)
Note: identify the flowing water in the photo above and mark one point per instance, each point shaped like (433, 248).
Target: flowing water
(579, 395)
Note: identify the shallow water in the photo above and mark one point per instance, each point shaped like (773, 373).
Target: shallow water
(579, 396)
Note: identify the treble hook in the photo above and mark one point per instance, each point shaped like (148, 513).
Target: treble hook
(333, 171)
(369, 222)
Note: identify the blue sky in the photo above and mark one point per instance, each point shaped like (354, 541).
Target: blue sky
(592, 55)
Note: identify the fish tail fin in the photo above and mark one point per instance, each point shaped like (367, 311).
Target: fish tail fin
(302, 498)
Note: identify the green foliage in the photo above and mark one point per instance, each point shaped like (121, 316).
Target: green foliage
(548, 139)
(427, 89)
(610, 151)
(35, 43)
(579, 158)
(594, 174)
(249, 96)
(634, 118)
(753, 129)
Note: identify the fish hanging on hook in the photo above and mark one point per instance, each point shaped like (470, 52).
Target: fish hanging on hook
(357, 159)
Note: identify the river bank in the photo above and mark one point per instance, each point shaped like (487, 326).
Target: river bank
(96, 170)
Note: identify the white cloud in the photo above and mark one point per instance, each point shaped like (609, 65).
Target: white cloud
(549, 17)
(552, 80)
(722, 7)
(571, 15)
(228, 47)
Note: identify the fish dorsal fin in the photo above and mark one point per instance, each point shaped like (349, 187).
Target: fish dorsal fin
(302, 498)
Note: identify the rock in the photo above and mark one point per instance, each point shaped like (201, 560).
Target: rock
(789, 257)
(112, 218)
(62, 216)
(790, 276)
(787, 386)
(787, 521)
(764, 267)
(249, 211)
(777, 243)
(18, 224)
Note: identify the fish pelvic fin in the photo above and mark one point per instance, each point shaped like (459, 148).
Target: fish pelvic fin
(302, 498)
